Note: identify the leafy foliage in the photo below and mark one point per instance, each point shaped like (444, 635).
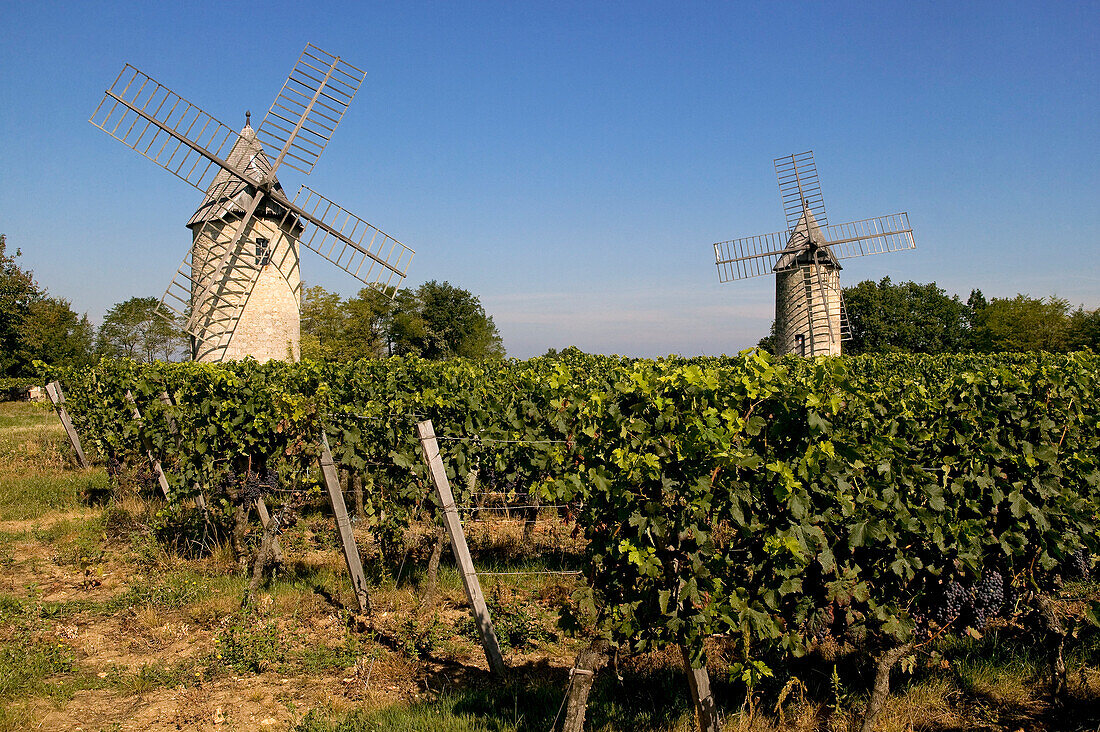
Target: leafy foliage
(133, 329)
(770, 501)
(34, 325)
(917, 318)
(436, 321)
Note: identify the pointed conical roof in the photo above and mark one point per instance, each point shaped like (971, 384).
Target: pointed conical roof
(227, 194)
(803, 242)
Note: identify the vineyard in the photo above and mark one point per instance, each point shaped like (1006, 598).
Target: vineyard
(763, 518)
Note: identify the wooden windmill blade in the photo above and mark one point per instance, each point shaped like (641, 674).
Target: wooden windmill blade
(879, 235)
(310, 105)
(750, 256)
(351, 243)
(159, 124)
(800, 188)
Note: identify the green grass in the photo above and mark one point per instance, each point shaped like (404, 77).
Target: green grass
(530, 700)
(174, 590)
(32, 496)
(26, 414)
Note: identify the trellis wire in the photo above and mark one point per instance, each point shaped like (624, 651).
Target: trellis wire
(491, 440)
(513, 508)
(533, 571)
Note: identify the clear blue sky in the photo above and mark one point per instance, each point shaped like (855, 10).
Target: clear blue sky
(572, 163)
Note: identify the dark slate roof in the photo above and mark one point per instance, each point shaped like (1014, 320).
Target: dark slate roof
(228, 196)
(798, 249)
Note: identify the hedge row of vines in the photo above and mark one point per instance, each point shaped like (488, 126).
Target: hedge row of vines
(881, 499)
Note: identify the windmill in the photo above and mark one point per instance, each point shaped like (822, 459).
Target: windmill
(810, 319)
(238, 289)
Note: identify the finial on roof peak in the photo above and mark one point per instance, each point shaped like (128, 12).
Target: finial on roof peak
(247, 118)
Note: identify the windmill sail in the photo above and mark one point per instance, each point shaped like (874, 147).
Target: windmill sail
(151, 119)
(310, 105)
(800, 188)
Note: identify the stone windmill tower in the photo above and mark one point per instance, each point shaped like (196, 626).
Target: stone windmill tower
(238, 290)
(809, 308)
(268, 324)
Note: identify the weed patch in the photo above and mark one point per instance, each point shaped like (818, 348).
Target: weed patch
(519, 625)
(247, 645)
(25, 663)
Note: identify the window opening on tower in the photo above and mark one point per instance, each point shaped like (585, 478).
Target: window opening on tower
(263, 251)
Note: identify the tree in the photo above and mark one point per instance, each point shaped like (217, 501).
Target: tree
(322, 323)
(406, 329)
(1084, 330)
(53, 333)
(339, 330)
(444, 321)
(907, 317)
(437, 320)
(35, 326)
(133, 329)
(769, 342)
(17, 291)
(365, 327)
(1023, 323)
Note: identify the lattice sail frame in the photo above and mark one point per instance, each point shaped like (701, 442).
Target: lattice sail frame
(164, 127)
(315, 95)
(800, 188)
(756, 256)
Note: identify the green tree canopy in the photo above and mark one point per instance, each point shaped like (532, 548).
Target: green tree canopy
(437, 320)
(133, 329)
(1084, 330)
(53, 333)
(912, 317)
(452, 322)
(344, 330)
(35, 326)
(17, 291)
(1023, 323)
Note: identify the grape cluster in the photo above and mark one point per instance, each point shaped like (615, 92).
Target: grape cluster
(972, 606)
(1079, 564)
(255, 485)
(114, 466)
(951, 603)
(497, 482)
(252, 488)
(988, 598)
(921, 631)
(248, 485)
(146, 476)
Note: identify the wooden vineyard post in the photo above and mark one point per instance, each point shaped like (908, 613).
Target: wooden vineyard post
(161, 479)
(53, 389)
(581, 678)
(343, 526)
(699, 686)
(430, 447)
